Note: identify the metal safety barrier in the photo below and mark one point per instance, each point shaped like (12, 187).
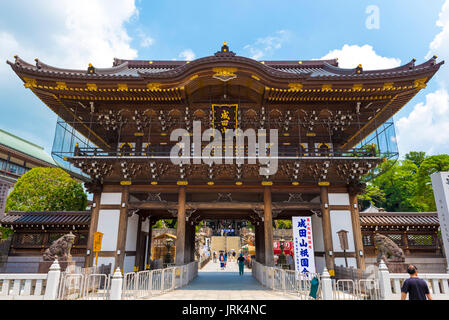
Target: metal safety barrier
(348, 289)
(145, 284)
(288, 281)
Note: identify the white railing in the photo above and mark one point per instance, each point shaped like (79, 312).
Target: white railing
(438, 284)
(90, 286)
(391, 283)
(287, 281)
(31, 286)
(22, 286)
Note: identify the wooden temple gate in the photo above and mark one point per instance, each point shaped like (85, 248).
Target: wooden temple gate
(115, 125)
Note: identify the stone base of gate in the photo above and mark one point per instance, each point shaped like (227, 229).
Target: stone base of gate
(44, 266)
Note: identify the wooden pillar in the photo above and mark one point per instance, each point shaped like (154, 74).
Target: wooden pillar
(405, 243)
(327, 231)
(188, 242)
(192, 241)
(150, 241)
(92, 229)
(181, 228)
(122, 229)
(138, 143)
(311, 143)
(139, 252)
(257, 240)
(357, 231)
(260, 242)
(268, 227)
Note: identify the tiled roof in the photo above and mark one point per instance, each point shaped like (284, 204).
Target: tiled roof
(399, 219)
(46, 217)
(322, 69)
(11, 141)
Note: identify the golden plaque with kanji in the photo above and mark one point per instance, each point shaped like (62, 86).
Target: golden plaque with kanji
(224, 116)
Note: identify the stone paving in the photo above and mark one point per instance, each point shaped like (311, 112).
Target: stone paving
(213, 283)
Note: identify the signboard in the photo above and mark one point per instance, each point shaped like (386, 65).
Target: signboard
(224, 116)
(303, 245)
(98, 236)
(440, 184)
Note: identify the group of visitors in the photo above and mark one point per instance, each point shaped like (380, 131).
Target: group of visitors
(223, 258)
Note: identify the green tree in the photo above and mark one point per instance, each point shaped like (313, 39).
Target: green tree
(283, 224)
(46, 189)
(416, 157)
(399, 185)
(373, 195)
(424, 195)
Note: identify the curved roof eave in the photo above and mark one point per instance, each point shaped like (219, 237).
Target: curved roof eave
(268, 69)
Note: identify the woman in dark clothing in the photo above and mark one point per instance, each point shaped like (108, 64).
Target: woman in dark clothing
(241, 262)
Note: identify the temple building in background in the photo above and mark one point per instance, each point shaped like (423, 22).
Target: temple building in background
(334, 127)
(17, 156)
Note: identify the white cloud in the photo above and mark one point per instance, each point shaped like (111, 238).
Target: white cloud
(74, 33)
(264, 47)
(426, 128)
(440, 44)
(187, 54)
(8, 44)
(350, 56)
(145, 41)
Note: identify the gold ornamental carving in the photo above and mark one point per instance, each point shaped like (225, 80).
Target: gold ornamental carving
(224, 74)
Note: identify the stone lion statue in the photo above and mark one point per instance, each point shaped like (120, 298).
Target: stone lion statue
(60, 248)
(386, 248)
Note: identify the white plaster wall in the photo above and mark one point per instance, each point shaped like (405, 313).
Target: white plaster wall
(320, 263)
(111, 198)
(145, 225)
(339, 199)
(341, 219)
(108, 221)
(340, 262)
(106, 261)
(128, 264)
(441, 195)
(317, 233)
(131, 233)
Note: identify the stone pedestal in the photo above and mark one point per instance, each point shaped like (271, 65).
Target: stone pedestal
(44, 266)
(396, 267)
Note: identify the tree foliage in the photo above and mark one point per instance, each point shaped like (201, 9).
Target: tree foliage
(46, 189)
(406, 185)
(283, 224)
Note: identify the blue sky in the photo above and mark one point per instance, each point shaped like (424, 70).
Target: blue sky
(74, 33)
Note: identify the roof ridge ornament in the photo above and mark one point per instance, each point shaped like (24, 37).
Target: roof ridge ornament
(224, 51)
(91, 69)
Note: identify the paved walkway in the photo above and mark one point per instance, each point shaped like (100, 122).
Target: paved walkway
(213, 283)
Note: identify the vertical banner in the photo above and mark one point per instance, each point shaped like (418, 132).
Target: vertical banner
(303, 245)
(440, 184)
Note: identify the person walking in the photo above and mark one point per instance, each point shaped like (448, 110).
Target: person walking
(416, 288)
(215, 256)
(225, 259)
(241, 263)
(290, 262)
(233, 254)
(222, 261)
